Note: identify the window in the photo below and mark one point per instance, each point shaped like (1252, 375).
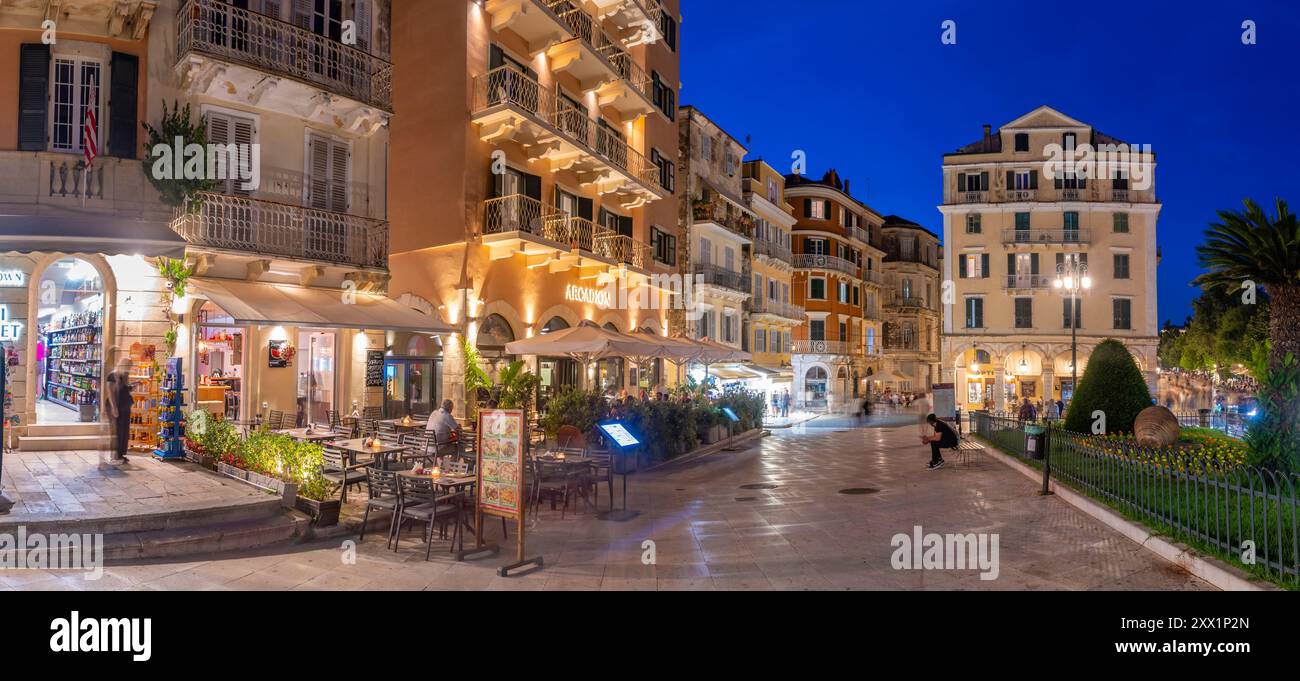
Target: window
(974, 313)
(817, 330)
(706, 148)
(814, 246)
(75, 80)
(973, 223)
(857, 296)
(1071, 220)
(729, 327)
(974, 266)
(817, 210)
(1022, 222)
(1021, 180)
(731, 165)
(1121, 223)
(773, 291)
(1121, 266)
(238, 130)
(328, 167)
(773, 191)
(844, 332)
(1024, 313)
(760, 340)
(667, 170)
(1122, 309)
(668, 27)
(664, 246)
(844, 292)
(817, 288)
(1068, 141)
(973, 182)
(1066, 320)
(706, 251)
(1022, 141)
(663, 96)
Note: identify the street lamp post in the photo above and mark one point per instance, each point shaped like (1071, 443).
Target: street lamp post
(1072, 278)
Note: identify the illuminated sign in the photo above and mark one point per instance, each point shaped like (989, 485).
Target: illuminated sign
(731, 415)
(593, 296)
(12, 278)
(9, 331)
(619, 434)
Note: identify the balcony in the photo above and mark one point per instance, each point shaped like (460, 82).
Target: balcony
(726, 215)
(1093, 192)
(254, 226)
(600, 65)
(826, 263)
(861, 235)
(773, 250)
(509, 106)
(1046, 237)
(532, 20)
(822, 347)
(1026, 282)
(716, 275)
(906, 302)
(776, 308)
(872, 277)
(971, 197)
(214, 29)
(558, 240)
(638, 20)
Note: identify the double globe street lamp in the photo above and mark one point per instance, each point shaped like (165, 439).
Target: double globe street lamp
(1072, 279)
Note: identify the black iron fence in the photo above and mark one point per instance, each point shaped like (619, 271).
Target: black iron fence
(1231, 424)
(1245, 513)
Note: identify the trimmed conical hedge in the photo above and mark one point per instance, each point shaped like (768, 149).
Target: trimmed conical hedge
(1112, 384)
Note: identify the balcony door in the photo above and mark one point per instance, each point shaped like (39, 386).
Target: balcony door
(231, 221)
(518, 208)
(510, 80)
(329, 164)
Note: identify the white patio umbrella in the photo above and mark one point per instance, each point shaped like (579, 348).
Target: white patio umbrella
(674, 350)
(584, 343)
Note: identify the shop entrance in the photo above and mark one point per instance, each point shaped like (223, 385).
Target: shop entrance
(69, 343)
(410, 387)
(219, 363)
(316, 377)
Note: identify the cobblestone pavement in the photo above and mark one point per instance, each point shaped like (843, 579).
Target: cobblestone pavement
(710, 532)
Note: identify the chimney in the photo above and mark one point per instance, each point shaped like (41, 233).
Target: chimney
(988, 131)
(846, 187)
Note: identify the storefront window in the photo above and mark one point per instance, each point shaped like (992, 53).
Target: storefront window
(315, 376)
(219, 362)
(69, 343)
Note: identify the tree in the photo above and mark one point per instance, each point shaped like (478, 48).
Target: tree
(1248, 249)
(1113, 385)
(176, 191)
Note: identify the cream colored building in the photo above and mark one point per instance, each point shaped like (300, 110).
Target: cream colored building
(773, 316)
(1008, 228)
(912, 317)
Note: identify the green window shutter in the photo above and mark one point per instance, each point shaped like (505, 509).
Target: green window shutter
(1033, 263)
(33, 95)
(984, 266)
(1033, 179)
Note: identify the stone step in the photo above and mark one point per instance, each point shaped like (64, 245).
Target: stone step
(249, 511)
(213, 539)
(63, 429)
(62, 443)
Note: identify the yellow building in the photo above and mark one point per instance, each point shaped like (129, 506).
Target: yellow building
(773, 316)
(1016, 214)
(910, 334)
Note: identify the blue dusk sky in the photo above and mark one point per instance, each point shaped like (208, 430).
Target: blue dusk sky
(866, 87)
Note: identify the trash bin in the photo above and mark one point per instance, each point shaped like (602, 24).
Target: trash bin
(1203, 418)
(1034, 442)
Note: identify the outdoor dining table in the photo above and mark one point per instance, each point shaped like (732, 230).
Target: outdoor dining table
(317, 434)
(401, 425)
(381, 450)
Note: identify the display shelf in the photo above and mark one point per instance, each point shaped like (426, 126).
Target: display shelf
(145, 398)
(171, 419)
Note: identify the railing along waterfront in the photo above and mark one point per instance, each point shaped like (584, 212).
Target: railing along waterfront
(229, 33)
(506, 86)
(255, 226)
(1202, 499)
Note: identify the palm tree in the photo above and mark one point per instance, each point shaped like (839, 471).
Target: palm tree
(1250, 246)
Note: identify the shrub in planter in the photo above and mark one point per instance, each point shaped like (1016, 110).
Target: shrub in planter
(582, 409)
(314, 494)
(1111, 384)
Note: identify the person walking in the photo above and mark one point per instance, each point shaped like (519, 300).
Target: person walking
(1053, 410)
(1026, 410)
(942, 437)
(923, 411)
(785, 404)
(117, 399)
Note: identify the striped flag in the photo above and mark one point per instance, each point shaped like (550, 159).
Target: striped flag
(90, 130)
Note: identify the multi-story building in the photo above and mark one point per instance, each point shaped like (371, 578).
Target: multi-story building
(838, 281)
(912, 316)
(720, 227)
(1009, 227)
(534, 174)
(773, 316)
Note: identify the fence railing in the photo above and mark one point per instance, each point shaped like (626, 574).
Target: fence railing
(761, 305)
(717, 275)
(266, 227)
(520, 213)
(814, 261)
(229, 33)
(1046, 236)
(1230, 508)
(1231, 424)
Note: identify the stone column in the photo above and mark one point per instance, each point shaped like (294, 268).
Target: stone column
(999, 387)
(959, 387)
(1048, 384)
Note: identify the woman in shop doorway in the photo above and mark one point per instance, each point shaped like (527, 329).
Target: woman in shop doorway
(117, 399)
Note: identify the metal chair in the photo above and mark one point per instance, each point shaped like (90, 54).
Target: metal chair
(421, 443)
(419, 501)
(276, 420)
(335, 421)
(601, 471)
(372, 413)
(552, 480)
(336, 469)
(385, 495)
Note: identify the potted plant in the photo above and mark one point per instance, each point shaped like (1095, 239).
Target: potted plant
(314, 499)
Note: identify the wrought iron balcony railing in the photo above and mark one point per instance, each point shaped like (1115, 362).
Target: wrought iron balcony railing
(773, 250)
(1026, 282)
(229, 33)
(872, 277)
(898, 302)
(508, 87)
(265, 227)
(822, 347)
(830, 263)
(725, 214)
(1046, 236)
(717, 275)
(519, 213)
(762, 305)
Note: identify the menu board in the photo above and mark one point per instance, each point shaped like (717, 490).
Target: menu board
(501, 462)
(620, 434)
(374, 368)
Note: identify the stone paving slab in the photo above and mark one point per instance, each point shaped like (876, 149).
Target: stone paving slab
(709, 534)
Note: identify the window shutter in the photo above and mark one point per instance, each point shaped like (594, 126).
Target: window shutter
(961, 182)
(339, 163)
(984, 181)
(807, 207)
(361, 14)
(319, 184)
(826, 209)
(961, 267)
(533, 187)
(625, 225)
(1060, 182)
(122, 105)
(302, 11)
(1033, 263)
(1011, 179)
(984, 266)
(271, 8)
(496, 58)
(33, 96)
(1011, 264)
(1033, 179)
(585, 208)
(241, 130)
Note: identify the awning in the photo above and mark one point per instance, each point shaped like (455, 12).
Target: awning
(89, 235)
(260, 303)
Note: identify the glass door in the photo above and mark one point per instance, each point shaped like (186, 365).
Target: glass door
(410, 387)
(315, 376)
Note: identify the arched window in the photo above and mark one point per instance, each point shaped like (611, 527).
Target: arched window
(555, 324)
(816, 374)
(495, 332)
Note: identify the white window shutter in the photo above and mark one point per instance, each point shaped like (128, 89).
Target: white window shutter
(362, 17)
(302, 13)
(340, 157)
(318, 173)
(242, 136)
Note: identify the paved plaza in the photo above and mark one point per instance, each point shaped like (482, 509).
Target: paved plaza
(771, 516)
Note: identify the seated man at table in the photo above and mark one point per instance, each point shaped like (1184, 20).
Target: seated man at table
(443, 425)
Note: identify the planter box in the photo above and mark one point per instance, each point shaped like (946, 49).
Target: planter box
(287, 491)
(230, 471)
(712, 434)
(323, 513)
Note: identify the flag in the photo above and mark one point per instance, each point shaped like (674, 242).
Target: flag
(90, 130)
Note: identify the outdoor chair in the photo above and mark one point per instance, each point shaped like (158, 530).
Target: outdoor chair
(553, 481)
(569, 438)
(419, 501)
(385, 495)
(601, 471)
(276, 420)
(336, 469)
(344, 432)
(420, 442)
(333, 417)
(372, 413)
